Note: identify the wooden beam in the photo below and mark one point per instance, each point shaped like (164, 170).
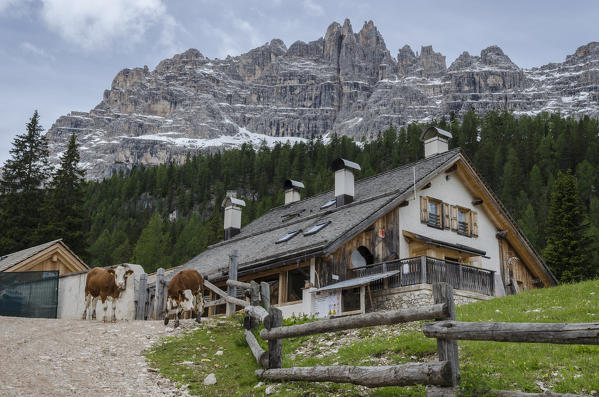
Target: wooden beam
(518, 393)
(238, 284)
(141, 297)
(275, 347)
(232, 290)
(432, 373)
(217, 302)
(447, 349)
(559, 333)
(259, 353)
(225, 296)
(357, 321)
(257, 312)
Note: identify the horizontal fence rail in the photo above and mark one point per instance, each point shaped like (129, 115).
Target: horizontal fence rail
(560, 333)
(433, 373)
(445, 372)
(225, 296)
(358, 321)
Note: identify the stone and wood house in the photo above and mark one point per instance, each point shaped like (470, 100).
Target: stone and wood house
(380, 242)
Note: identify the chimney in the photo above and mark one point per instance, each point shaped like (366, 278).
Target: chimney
(292, 193)
(435, 141)
(344, 180)
(232, 206)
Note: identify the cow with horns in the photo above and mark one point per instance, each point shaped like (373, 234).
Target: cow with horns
(107, 285)
(185, 293)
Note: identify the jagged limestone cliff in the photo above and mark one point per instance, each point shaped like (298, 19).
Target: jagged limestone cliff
(345, 82)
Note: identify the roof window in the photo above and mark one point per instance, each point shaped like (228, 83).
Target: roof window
(288, 236)
(316, 228)
(328, 204)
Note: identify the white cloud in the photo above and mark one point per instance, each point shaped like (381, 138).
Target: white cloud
(238, 38)
(95, 24)
(35, 50)
(313, 8)
(4, 4)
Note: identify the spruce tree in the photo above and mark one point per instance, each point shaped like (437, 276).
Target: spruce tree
(21, 187)
(568, 251)
(69, 219)
(150, 250)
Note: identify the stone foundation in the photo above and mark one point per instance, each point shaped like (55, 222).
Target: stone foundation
(417, 295)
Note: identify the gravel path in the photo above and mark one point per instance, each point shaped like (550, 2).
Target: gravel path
(47, 357)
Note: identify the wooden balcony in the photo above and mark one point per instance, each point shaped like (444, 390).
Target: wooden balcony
(427, 270)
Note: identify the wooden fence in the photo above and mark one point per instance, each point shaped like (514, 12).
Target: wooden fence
(444, 372)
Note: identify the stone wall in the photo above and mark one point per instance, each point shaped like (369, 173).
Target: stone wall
(417, 295)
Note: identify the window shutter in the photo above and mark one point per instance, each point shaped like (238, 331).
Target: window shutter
(474, 216)
(423, 209)
(446, 223)
(454, 217)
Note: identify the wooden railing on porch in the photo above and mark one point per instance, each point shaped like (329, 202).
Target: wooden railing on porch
(427, 270)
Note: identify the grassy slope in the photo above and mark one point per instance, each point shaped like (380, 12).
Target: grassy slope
(484, 365)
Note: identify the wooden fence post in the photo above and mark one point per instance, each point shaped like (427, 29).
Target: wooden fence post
(140, 310)
(447, 349)
(232, 291)
(423, 269)
(265, 294)
(275, 346)
(159, 299)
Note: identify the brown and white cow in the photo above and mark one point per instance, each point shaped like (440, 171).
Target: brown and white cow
(185, 293)
(107, 285)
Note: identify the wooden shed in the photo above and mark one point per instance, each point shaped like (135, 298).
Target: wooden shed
(50, 256)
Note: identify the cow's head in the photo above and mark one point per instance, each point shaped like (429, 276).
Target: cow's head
(120, 276)
(187, 300)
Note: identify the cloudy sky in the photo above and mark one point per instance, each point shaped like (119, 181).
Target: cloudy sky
(60, 55)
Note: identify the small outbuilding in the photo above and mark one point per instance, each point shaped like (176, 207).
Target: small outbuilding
(50, 256)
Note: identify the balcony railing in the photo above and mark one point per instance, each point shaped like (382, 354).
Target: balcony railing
(427, 270)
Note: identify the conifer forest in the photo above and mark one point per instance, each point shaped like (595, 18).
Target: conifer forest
(545, 170)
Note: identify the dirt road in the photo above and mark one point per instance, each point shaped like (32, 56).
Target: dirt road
(47, 357)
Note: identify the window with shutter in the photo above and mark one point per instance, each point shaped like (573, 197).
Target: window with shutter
(423, 209)
(446, 222)
(435, 216)
(454, 217)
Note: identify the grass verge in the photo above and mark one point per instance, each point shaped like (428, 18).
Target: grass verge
(187, 359)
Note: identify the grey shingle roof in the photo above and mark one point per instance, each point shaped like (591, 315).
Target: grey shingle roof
(256, 242)
(8, 261)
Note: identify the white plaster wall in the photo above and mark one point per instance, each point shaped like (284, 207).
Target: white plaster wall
(453, 192)
(296, 309)
(71, 297)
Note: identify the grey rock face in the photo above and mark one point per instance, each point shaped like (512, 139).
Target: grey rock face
(344, 82)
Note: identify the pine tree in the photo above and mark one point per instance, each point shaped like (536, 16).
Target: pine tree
(21, 187)
(69, 219)
(150, 250)
(568, 251)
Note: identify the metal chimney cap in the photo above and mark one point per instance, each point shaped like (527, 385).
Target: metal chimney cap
(229, 201)
(339, 164)
(432, 132)
(291, 184)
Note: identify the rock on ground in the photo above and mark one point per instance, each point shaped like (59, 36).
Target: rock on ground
(50, 357)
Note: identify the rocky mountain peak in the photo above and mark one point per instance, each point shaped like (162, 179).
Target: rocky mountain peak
(494, 56)
(190, 54)
(427, 64)
(344, 82)
(490, 58)
(590, 50)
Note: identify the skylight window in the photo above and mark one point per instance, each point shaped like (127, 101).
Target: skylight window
(316, 228)
(288, 236)
(328, 204)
